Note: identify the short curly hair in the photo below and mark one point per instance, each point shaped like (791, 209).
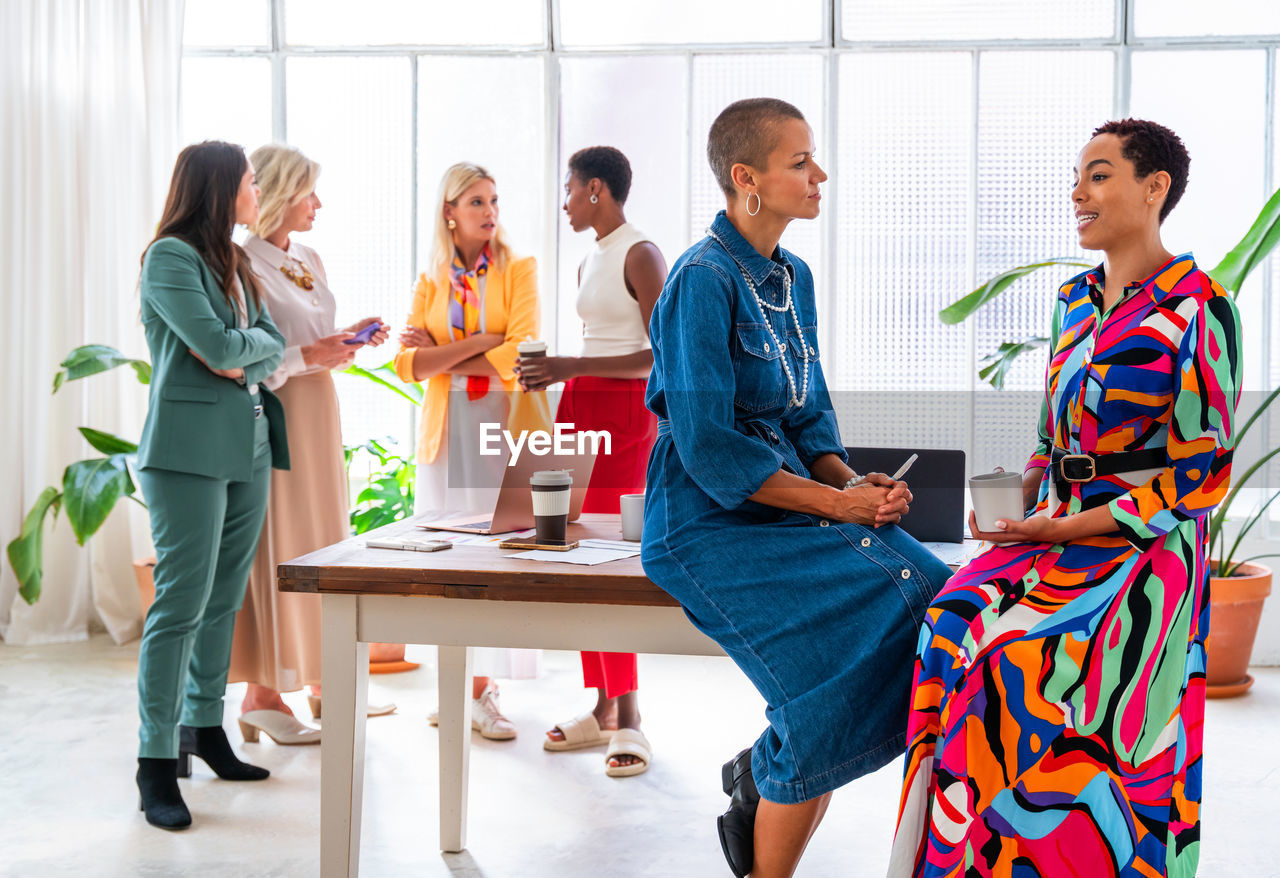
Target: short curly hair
(745, 132)
(606, 164)
(1152, 147)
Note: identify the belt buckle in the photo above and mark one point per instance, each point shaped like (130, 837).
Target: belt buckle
(1085, 458)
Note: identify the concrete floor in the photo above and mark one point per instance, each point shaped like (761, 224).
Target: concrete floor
(68, 803)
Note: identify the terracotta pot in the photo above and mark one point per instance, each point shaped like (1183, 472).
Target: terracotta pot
(1235, 608)
(144, 570)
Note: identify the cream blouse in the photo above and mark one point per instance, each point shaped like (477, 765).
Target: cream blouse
(303, 316)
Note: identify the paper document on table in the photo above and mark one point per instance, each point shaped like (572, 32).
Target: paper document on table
(492, 540)
(955, 554)
(581, 555)
(616, 545)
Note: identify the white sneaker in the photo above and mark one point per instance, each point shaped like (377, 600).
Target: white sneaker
(486, 717)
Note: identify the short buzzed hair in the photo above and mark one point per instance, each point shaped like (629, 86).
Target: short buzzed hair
(745, 132)
(606, 164)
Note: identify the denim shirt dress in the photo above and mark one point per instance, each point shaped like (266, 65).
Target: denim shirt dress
(823, 617)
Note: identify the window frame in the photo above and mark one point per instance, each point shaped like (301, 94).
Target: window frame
(1122, 42)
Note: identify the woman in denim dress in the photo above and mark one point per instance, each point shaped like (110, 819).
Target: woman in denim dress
(751, 520)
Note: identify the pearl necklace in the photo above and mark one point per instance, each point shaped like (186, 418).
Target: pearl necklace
(788, 304)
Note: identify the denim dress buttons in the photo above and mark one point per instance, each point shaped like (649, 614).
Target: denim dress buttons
(823, 619)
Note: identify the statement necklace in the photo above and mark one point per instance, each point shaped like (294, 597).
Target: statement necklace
(305, 280)
(788, 304)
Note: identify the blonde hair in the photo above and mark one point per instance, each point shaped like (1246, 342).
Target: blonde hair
(285, 176)
(456, 180)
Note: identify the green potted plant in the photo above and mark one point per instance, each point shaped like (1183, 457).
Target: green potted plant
(91, 487)
(1237, 587)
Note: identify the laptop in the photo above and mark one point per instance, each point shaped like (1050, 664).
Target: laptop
(937, 483)
(513, 509)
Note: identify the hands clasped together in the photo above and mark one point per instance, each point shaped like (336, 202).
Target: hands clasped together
(879, 500)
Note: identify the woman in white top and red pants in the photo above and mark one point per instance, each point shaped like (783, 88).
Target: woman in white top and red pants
(618, 285)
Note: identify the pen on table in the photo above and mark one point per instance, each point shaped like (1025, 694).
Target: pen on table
(902, 471)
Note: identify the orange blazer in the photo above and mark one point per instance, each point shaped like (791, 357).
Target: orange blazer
(510, 307)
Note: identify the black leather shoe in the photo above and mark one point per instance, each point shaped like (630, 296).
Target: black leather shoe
(159, 796)
(737, 826)
(211, 744)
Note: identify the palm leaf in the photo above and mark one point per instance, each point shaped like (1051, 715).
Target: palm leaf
(91, 488)
(995, 366)
(26, 551)
(107, 443)
(92, 359)
(963, 308)
(1232, 570)
(1244, 530)
(387, 377)
(1260, 240)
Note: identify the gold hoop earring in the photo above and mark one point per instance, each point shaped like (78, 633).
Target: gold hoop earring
(452, 224)
(751, 212)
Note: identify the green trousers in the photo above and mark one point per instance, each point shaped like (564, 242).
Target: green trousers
(206, 534)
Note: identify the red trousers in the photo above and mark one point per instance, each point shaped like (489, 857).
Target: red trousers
(615, 405)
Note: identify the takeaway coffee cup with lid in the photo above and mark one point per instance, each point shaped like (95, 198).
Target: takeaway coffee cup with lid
(995, 496)
(531, 347)
(551, 490)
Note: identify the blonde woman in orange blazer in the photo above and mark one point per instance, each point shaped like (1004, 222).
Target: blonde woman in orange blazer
(471, 308)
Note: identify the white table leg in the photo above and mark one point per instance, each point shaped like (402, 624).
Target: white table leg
(455, 745)
(344, 668)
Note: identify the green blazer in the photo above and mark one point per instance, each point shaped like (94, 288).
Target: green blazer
(199, 422)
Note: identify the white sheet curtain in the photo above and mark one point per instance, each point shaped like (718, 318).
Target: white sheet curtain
(87, 141)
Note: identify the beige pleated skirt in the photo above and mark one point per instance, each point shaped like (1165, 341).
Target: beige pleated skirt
(277, 636)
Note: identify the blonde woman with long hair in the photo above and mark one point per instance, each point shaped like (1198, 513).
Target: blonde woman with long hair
(471, 308)
(277, 636)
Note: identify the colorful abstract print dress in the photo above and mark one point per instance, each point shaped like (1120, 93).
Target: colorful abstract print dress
(1056, 716)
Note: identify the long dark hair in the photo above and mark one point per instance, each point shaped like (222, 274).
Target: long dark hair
(201, 210)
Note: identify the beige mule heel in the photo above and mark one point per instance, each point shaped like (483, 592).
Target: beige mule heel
(313, 702)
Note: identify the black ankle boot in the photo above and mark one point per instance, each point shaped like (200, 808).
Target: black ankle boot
(211, 745)
(160, 799)
(737, 825)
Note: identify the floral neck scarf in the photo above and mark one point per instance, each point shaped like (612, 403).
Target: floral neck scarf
(465, 306)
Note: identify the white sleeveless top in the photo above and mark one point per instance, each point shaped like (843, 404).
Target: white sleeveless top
(612, 325)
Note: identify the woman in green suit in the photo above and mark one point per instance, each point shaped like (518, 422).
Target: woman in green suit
(211, 437)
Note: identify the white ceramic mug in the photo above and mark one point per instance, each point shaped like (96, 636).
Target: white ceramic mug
(996, 496)
(632, 507)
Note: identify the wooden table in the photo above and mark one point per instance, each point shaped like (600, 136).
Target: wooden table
(459, 598)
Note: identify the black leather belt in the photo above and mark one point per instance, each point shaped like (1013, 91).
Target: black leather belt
(1086, 466)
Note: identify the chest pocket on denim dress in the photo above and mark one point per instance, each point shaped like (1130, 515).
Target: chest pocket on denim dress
(759, 383)
(802, 348)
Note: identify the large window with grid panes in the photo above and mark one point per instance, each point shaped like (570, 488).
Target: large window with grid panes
(949, 131)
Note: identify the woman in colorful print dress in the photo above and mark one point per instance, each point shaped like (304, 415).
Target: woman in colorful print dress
(1056, 718)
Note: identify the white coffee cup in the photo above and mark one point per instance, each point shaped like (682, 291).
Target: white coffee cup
(632, 507)
(532, 347)
(996, 496)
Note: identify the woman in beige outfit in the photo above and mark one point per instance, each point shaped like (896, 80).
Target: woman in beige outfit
(277, 636)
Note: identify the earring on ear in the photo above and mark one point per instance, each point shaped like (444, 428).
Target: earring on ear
(452, 224)
(595, 199)
(751, 212)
